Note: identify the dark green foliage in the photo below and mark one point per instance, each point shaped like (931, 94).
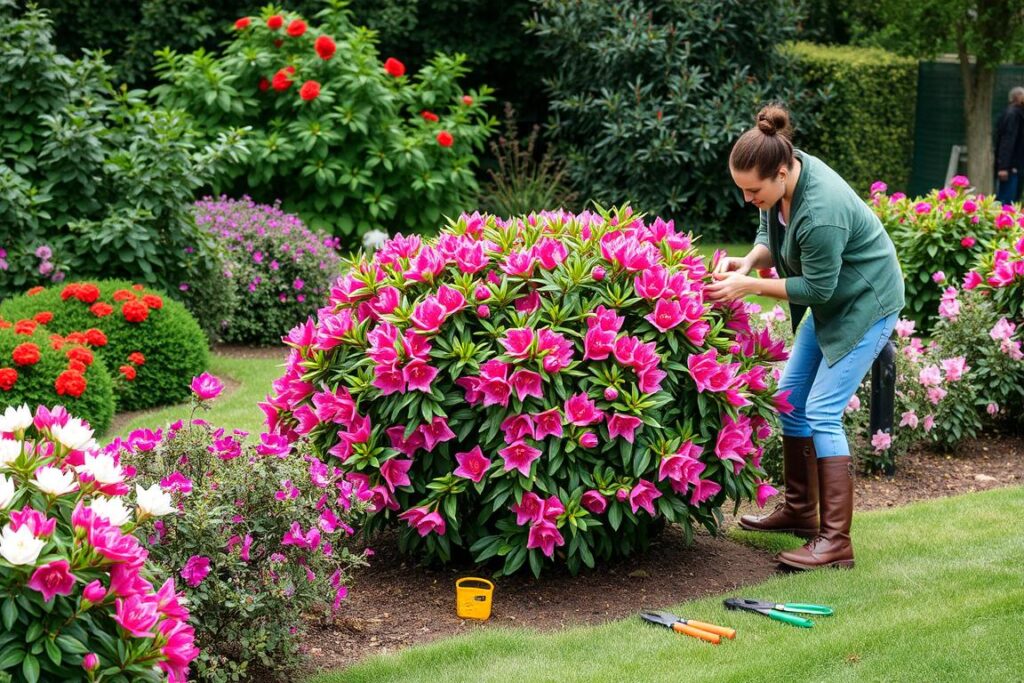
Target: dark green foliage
(866, 128)
(174, 347)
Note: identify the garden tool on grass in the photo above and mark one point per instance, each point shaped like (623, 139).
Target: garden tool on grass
(780, 612)
(698, 629)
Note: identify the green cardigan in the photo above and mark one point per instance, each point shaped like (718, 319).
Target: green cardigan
(836, 259)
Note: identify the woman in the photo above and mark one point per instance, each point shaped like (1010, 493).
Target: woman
(834, 257)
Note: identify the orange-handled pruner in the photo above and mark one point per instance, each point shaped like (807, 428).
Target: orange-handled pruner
(697, 629)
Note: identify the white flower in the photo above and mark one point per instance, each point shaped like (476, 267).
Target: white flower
(6, 491)
(9, 451)
(112, 509)
(55, 482)
(374, 240)
(102, 468)
(21, 546)
(15, 419)
(153, 501)
(73, 435)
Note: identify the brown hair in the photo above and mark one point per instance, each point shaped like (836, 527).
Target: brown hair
(766, 146)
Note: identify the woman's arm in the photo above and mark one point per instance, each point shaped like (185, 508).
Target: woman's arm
(759, 257)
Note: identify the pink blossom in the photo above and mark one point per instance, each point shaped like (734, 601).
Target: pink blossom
(395, 472)
(764, 492)
(734, 440)
(195, 570)
(206, 387)
(854, 404)
(94, 591)
(526, 383)
(1003, 330)
(623, 425)
(35, 520)
(922, 208)
(90, 662)
(597, 273)
(955, 368)
(667, 314)
(611, 393)
(992, 408)
(703, 490)
(544, 535)
(429, 315)
(904, 328)
(519, 264)
(519, 456)
(418, 376)
(436, 432)
(407, 446)
(451, 299)
(483, 311)
(529, 509)
(968, 242)
(643, 496)
(547, 423)
(588, 440)
(938, 276)
(930, 376)
(972, 279)
(53, 578)
(936, 394)
(959, 181)
(909, 419)
(518, 427)
(137, 614)
(473, 465)
(969, 206)
(580, 410)
(424, 521)
(929, 423)
(550, 252)
(594, 502)
(881, 441)
(518, 342)
(878, 187)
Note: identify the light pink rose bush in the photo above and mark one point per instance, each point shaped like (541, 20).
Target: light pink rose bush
(79, 594)
(540, 389)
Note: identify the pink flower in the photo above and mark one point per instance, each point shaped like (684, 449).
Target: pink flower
(597, 273)
(734, 441)
(611, 393)
(418, 375)
(550, 252)
(526, 383)
(473, 465)
(389, 379)
(1003, 330)
(594, 502)
(703, 490)
(992, 408)
(881, 441)
(424, 521)
(764, 492)
(878, 187)
(643, 496)
(922, 208)
(519, 456)
(588, 440)
(518, 427)
(518, 342)
(206, 387)
(544, 535)
(938, 276)
(519, 263)
(90, 662)
(929, 423)
(94, 591)
(959, 181)
(429, 315)
(623, 425)
(972, 279)
(969, 206)
(905, 328)
(395, 472)
(682, 468)
(436, 432)
(581, 411)
(52, 579)
(36, 521)
(936, 394)
(955, 368)
(667, 314)
(195, 570)
(483, 311)
(909, 419)
(529, 509)
(138, 614)
(452, 299)
(968, 242)
(930, 376)
(547, 423)
(854, 404)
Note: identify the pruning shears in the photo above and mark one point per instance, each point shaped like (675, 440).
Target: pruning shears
(780, 612)
(698, 629)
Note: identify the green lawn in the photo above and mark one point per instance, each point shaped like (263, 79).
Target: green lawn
(937, 595)
(235, 409)
(737, 249)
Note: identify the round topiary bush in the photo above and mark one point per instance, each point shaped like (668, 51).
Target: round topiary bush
(152, 341)
(546, 387)
(275, 264)
(38, 368)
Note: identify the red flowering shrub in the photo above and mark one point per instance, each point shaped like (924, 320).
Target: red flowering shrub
(143, 322)
(310, 90)
(553, 386)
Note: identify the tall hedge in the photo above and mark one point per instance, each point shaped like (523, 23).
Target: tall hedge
(865, 130)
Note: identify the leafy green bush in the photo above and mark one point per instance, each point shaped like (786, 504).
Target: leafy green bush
(649, 97)
(135, 320)
(345, 138)
(92, 172)
(33, 370)
(866, 127)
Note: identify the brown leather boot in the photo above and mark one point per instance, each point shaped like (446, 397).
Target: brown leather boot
(798, 513)
(832, 546)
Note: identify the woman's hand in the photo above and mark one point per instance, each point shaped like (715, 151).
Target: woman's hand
(728, 286)
(732, 264)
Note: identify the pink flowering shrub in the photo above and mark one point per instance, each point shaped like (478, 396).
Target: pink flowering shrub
(80, 598)
(275, 267)
(542, 389)
(943, 231)
(259, 544)
(999, 270)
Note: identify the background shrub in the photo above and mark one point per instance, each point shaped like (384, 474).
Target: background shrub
(173, 347)
(277, 269)
(649, 97)
(999, 269)
(37, 383)
(370, 148)
(865, 127)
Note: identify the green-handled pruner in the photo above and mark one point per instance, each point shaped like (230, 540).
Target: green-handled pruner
(780, 612)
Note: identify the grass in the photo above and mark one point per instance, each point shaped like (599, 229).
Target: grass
(936, 596)
(737, 249)
(235, 409)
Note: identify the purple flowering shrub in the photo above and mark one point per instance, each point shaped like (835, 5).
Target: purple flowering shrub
(259, 545)
(276, 268)
(552, 388)
(23, 267)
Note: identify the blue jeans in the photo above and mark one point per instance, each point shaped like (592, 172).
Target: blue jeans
(1006, 190)
(821, 393)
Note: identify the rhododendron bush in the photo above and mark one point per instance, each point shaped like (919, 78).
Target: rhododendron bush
(151, 342)
(551, 387)
(260, 542)
(351, 140)
(277, 269)
(79, 598)
(999, 270)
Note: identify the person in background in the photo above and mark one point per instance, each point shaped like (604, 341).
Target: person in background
(1010, 148)
(834, 258)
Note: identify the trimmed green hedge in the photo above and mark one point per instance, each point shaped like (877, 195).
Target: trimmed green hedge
(36, 383)
(866, 127)
(174, 347)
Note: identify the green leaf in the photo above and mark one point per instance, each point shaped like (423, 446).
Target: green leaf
(9, 612)
(53, 652)
(615, 516)
(11, 657)
(30, 668)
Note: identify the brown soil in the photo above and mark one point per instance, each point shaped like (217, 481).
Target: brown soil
(393, 604)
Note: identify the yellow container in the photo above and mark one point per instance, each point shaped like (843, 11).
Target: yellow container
(473, 601)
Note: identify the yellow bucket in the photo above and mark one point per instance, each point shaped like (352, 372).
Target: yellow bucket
(473, 601)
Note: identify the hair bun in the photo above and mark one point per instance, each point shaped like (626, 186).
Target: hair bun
(773, 120)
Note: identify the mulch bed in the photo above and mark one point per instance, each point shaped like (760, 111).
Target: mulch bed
(393, 604)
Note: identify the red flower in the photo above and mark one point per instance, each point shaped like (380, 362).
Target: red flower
(445, 139)
(325, 47)
(310, 90)
(25, 354)
(87, 293)
(81, 354)
(71, 383)
(275, 22)
(77, 338)
(76, 366)
(68, 291)
(137, 358)
(95, 337)
(8, 376)
(296, 28)
(467, 100)
(100, 309)
(264, 85)
(394, 67)
(43, 317)
(128, 371)
(56, 341)
(123, 295)
(135, 311)
(242, 23)
(153, 301)
(25, 327)
(968, 242)
(429, 116)
(34, 291)
(281, 82)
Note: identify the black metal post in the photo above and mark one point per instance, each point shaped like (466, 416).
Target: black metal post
(883, 393)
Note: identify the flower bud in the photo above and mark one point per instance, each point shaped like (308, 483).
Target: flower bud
(483, 311)
(94, 592)
(611, 393)
(482, 293)
(588, 439)
(621, 495)
(90, 662)
(597, 273)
